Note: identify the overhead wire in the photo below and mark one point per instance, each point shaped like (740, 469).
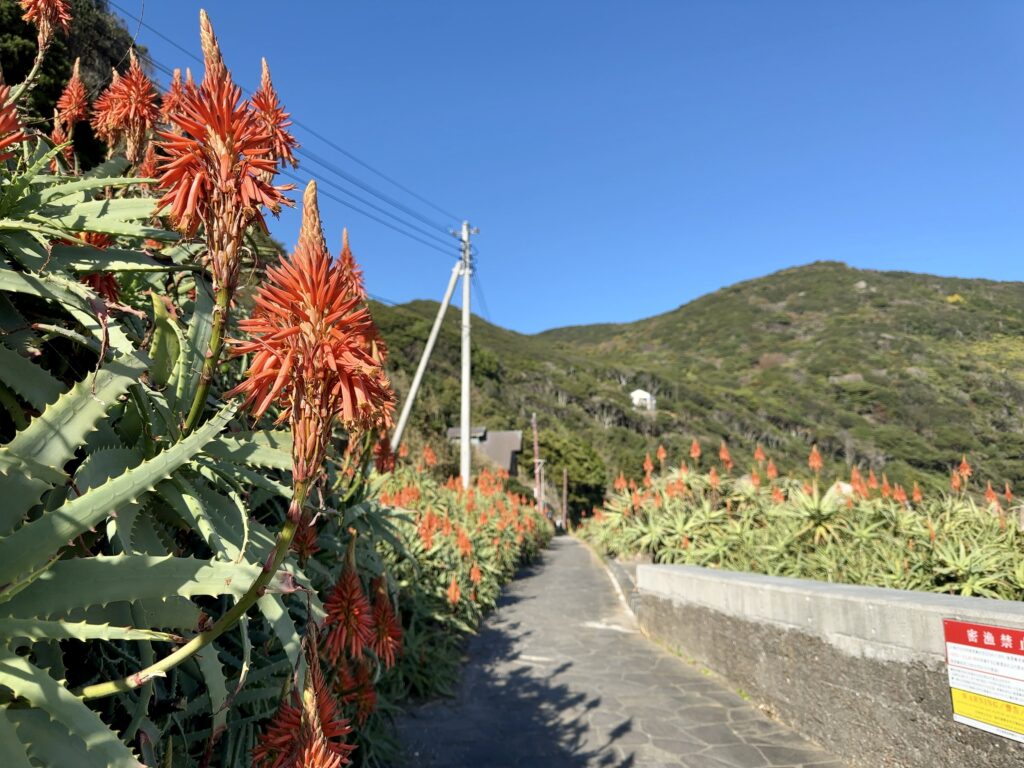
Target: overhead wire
(316, 134)
(367, 214)
(435, 242)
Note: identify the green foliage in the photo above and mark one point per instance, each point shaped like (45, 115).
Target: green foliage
(879, 368)
(944, 543)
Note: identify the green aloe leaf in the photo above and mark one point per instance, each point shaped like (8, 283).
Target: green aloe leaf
(102, 746)
(32, 545)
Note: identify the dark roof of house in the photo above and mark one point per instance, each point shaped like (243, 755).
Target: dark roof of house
(455, 433)
(500, 446)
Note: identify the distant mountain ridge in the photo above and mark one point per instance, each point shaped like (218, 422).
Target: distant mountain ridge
(895, 371)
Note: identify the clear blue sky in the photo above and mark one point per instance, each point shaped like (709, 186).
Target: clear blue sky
(622, 158)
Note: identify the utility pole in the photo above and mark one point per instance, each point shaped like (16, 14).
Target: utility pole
(542, 510)
(565, 498)
(403, 420)
(465, 447)
(536, 459)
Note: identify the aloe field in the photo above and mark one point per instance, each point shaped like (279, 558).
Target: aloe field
(857, 530)
(210, 555)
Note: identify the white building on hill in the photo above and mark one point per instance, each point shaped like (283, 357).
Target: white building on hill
(642, 399)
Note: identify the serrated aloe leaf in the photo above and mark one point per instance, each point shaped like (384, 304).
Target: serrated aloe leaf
(13, 754)
(53, 193)
(273, 609)
(216, 685)
(86, 258)
(167, 342)
(31, 382)
(33, 544)
(76, 298)
(197, 341)
(52, 438)
(267, 448)
(47, 742)
(38, 629)
(85, 581)
(27, 248)
(102, 746)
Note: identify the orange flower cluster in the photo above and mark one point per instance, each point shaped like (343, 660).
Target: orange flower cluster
(11, 130)
(814, 460)
(725, 457)
(307, 341)
(127, 110)
(218, 155)
(275, 122)
(47, 15)
(308, 729)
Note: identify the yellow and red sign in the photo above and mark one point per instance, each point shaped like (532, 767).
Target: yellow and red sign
(986, 676)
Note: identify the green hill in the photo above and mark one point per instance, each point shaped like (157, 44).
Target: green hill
(894, 371)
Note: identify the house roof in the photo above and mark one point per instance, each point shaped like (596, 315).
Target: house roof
(455, 433)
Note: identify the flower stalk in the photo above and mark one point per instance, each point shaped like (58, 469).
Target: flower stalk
(225, 622)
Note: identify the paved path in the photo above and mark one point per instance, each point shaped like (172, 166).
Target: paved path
(559, 676)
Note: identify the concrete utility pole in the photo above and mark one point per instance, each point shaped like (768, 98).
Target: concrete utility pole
(403, 420)
(565, 498)
(465, 447)
(536, 459)
(542, 489)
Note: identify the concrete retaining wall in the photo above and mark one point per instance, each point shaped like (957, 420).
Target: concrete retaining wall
(859, 669)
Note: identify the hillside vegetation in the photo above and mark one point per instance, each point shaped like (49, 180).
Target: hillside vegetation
(893, 371)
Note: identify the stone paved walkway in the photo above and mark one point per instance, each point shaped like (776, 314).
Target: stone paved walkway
(559, 676)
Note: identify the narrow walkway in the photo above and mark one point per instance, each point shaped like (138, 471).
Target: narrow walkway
(560, 676)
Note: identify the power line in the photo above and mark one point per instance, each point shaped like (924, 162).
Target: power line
(385, 212)
(368, 215)
(436, 243)
(312, 132)
(483, 299)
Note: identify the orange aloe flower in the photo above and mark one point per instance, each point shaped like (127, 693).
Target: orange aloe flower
(47, 15)
(872, 480)
(713, 479)
(662, 454)
(387, 634)
(306, 335)
(349, 622)
(73, 104)
(918, 497)
(648, 464)
(1007, 493)
(777, 495)
(990, 495)
(759, 456)
(620, 483)
(217, 155)
(308, 730)
(429, 457)
(955, 482)
(964, 470)
(724, 456)
(11, 130)
(886, 488)
(128, 109)
(275, 121)
(814, 460)
(771, 470)
(403, 451)
(899, 494)
(695, 450)
(171, 101)
(475, 576)
(755, 479)
(454, 593)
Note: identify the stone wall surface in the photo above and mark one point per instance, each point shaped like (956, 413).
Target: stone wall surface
(861, 669)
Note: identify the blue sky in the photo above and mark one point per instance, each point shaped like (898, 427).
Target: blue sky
(623, 158)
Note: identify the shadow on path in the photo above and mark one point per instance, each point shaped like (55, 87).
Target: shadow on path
(559, 676)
